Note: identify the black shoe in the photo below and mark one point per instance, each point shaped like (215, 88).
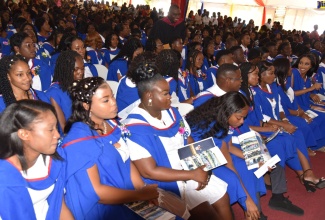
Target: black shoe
(262, 216)
(285, 205)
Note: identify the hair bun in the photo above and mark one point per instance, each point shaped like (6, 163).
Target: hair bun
(143, 67)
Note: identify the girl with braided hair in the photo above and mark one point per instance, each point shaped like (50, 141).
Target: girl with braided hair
(72, 42)
(16, 81)
(21, 43)
(69, 68)
(100, 175)
(197, 78)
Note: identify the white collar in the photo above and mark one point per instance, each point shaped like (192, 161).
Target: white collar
(322, 64)
(215, 90)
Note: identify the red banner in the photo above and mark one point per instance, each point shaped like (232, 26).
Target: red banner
(182, 5)
(261, 3)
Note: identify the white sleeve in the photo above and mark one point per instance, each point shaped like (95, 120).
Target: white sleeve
(137, 152)
(265, 117)
(280, 105)
(187, 127)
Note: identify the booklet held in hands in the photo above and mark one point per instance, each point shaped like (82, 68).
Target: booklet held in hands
(200, 153)
(256, 153)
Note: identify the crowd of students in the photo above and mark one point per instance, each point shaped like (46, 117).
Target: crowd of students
(71, 149)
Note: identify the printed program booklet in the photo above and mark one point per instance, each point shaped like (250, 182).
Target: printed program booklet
(169, 205)
(149, 211)
(200, 153)
(255, 152)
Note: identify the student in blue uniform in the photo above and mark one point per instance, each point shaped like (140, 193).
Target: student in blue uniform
(51, 44)
(208, 51)
(168, 65)
(302, 86)
(157, 131)
(154, 45)
(224, 56)
(214, 119)
(29, 29)
(93, 45)
(4, 43)
(69, 68)
(320, 75)
(31, 167)
(314, 138)
(100, 177)
(120, 64)
(281, 145)
(44, 29)
(198, 79)
(266, 98)
(285, 51)
(16, 81)
(110, 50)
(22, 44)
(183, 92)
(316, 47)
(228, 79)
(127, 96)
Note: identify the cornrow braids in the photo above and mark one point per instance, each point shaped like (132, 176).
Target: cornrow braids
(64, 69)
(5, 85)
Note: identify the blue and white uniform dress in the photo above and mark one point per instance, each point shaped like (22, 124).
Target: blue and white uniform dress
(183, 92)
(37, 95)
(160, 139)
(235, 190)
(127, 97)
(108, 55)
(35, 194)
(85, 148)
(252, 184)
(270, 105)
(118, 67)
(208, 94)
(95, 57)
(42, 74)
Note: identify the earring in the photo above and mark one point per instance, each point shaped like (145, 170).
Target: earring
(89, 114)
(150, 102)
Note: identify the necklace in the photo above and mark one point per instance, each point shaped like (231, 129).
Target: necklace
(105, 127)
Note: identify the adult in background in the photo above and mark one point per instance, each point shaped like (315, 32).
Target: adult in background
(169, 27)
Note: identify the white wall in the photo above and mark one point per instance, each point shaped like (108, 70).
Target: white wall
(299, 14)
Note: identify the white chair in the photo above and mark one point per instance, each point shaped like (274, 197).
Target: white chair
(102, 70)
(183, 108)
(114, 86)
